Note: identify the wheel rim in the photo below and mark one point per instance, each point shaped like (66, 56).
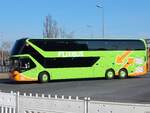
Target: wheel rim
(110, 74)
(122, 74)
(45, 77)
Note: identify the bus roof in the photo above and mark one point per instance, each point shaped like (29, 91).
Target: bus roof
(85, 38)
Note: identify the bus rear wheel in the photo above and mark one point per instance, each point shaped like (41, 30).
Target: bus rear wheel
(123, 73)
(109, 74)
(44, 77)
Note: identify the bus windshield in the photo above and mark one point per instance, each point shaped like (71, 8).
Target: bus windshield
(22, 64)
(19, 44)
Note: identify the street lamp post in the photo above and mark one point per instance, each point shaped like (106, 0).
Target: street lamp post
(103, 20)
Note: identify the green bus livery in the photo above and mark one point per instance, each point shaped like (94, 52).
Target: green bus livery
(56, 59)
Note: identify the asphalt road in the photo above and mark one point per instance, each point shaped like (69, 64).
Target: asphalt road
(134, 90)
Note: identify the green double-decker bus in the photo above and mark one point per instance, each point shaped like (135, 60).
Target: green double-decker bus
(56, 59)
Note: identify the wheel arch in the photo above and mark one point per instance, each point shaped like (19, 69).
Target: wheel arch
(109, 70)
(44, 72)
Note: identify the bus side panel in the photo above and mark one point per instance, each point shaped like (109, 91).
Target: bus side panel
(70, 73)
(135, 62)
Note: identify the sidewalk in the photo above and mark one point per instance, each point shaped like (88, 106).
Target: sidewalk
(4, 76)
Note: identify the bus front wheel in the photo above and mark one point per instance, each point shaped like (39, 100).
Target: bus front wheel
(43, 77)
(123, 73)
(109, 74)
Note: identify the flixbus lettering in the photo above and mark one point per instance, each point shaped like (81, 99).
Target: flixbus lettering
(70, 54)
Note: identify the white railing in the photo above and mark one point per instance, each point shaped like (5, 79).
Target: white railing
(16, 103)
(7, 103)
(114, 107)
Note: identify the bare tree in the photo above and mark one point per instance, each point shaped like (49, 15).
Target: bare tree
(4, 55)
(51, 29)
(5, 49)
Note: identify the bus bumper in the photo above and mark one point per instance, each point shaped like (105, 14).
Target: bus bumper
(137, 74)
(140, 73)
(17, 76)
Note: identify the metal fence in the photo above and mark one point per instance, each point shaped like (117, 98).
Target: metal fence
(16, 103)
(4, 69)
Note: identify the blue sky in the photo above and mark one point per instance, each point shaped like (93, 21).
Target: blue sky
(123, 18)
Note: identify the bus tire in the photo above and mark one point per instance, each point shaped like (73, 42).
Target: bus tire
(123, 73)
(44, 77)
(109, 74)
